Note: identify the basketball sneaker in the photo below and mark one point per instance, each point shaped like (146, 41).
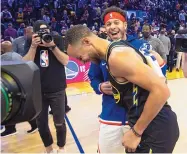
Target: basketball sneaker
(7, 133)
(33, 130)
(61, 151)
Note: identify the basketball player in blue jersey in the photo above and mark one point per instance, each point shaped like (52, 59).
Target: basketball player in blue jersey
(138, 85)
(113, 117)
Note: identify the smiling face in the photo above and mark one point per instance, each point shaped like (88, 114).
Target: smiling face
(116, 29)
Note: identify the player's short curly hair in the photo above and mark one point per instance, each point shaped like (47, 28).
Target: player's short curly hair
(113, 9)
(75, 34)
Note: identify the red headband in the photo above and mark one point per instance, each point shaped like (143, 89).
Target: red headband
(114, 15)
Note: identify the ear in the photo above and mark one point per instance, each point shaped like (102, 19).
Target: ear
(69, 48)
(86, 41)
(125, 25)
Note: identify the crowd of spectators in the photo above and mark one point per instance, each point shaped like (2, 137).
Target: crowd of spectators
(62, 14)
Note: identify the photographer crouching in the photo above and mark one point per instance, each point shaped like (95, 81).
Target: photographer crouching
(47, 52)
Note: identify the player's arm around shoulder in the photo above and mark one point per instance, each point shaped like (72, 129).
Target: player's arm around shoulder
(126, 63)
(159, 59)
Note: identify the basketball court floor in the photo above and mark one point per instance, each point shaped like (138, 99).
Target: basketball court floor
(83, 120)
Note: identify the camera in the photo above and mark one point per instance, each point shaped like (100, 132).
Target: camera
(181, 44)
(20, 92)
(181, 41)
(44, 35)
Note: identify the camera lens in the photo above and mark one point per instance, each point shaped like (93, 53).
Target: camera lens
(10, 97)
(20, 96)
(47, 38)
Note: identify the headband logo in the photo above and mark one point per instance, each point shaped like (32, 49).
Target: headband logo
(110, 15)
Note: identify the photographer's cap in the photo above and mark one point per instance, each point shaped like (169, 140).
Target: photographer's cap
(38, 23)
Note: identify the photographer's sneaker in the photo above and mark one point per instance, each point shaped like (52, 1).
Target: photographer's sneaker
(2, 129)
(61, 151)
(33, 130)
(67, 109)
(7, 133)
(54, 151)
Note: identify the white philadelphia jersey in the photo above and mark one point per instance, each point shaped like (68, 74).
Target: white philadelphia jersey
(151, 60)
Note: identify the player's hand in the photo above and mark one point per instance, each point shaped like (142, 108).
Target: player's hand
(130, 141)
(35, 40)
(106, 88)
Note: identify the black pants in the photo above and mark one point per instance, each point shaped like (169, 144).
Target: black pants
(12, 128)
(170, 61)
(66, 100)
(161, 134)
(56, 101)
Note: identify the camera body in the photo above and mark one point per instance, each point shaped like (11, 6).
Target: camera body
(181, 43)
(44, 35)
(21, 98)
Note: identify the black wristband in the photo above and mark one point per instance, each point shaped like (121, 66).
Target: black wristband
(135, 133)
(52, 47)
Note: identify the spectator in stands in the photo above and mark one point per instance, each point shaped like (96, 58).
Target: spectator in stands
(18, 43)
(63, 31)
(46, 17)
(56, 4)
(20, 16)
(166, 42)
(73, 18)
(6, 46)
(155, 42)
(53, 24)
(63, 25)
(102, 32)
(28, 8)
(21, 29)
(85, 16)
(10, 32)
(37, 6)
(182, 16)
(185, 6)
(10, 3)
(172, 51)
(55, 14)
(65, 16)
(178, 6)
(6, 16)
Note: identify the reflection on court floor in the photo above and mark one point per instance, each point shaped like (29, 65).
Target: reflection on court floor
(175, 75)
